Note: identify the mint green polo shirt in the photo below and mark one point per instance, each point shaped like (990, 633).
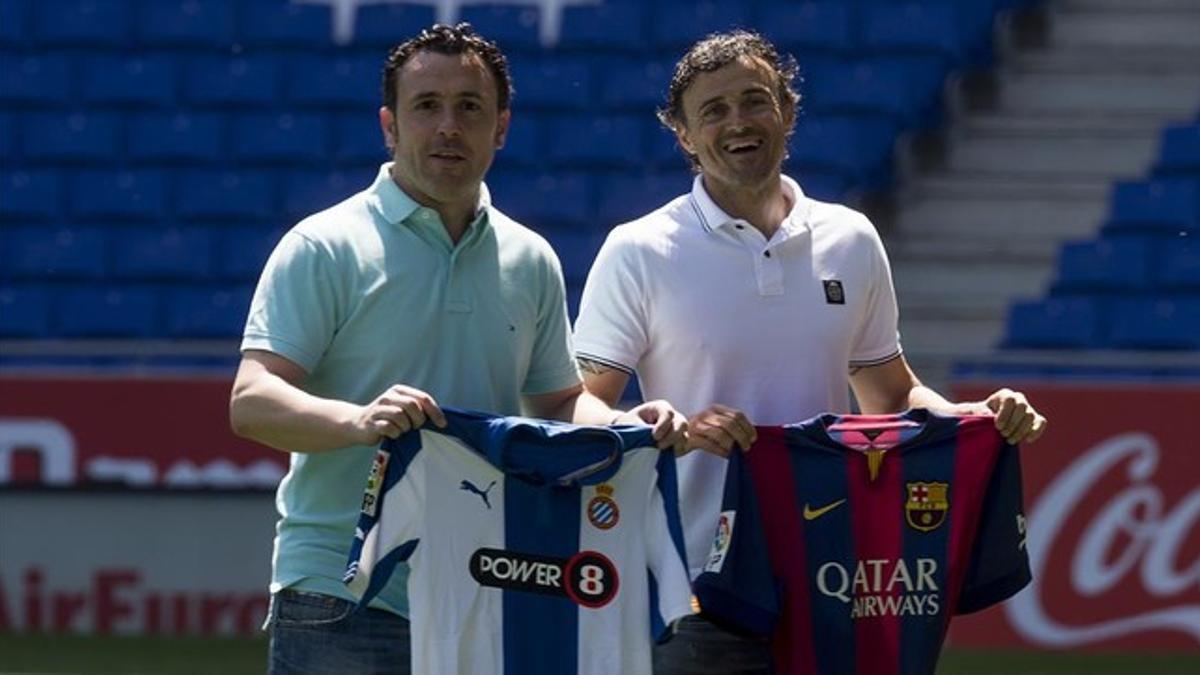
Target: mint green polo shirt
(371, 293)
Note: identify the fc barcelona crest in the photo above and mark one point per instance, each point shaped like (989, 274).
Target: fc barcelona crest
(602, 511)
(927, 505)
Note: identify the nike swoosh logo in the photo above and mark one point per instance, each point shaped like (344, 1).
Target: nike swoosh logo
(813, 514)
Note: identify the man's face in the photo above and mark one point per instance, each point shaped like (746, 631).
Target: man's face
(735, 123)
(446, 127)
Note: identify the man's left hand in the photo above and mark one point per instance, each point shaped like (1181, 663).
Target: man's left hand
(670, 426)
(1016, 419)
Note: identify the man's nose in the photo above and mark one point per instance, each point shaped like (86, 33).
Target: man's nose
(449, 123)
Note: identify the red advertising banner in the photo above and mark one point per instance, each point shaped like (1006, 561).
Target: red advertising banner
(140, 432)
(1112, 498)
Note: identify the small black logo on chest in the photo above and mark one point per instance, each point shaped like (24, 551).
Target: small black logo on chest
(834, 293)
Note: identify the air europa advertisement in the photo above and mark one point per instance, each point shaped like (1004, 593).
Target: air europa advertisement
(1112, 498)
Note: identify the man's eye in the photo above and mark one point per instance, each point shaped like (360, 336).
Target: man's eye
(713, 112)
(426, 105)
(471, 106)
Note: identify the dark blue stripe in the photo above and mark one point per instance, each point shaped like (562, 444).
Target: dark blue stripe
(668, 487)
(931, 461)
(541, 632)
(384, 568)
(821, 478)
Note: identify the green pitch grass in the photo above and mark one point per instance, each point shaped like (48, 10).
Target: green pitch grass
(200, 656)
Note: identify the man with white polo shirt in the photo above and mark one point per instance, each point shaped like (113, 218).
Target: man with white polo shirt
(746, 302)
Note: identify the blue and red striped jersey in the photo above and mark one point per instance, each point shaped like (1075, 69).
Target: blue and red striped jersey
(852, 540)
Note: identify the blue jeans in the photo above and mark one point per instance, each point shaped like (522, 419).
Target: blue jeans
(700, 648)
(316, 634)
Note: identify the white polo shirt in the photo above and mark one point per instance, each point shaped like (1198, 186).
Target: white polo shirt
(704, 309)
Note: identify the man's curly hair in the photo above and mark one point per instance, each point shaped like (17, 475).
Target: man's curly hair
(443, 39)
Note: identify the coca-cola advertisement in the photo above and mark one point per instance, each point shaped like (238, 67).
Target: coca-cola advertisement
(1112, 496)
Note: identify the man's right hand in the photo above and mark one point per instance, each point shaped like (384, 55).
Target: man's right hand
(399, 409)
(718, 428)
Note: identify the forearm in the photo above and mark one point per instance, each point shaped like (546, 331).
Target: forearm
(275, 413)
(922, 396)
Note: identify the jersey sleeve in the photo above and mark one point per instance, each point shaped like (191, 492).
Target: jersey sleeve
(612, 326)
(670, 592)
(552, 364)
(877, 339)
(999, 562)
(391, 521)
(737, 589)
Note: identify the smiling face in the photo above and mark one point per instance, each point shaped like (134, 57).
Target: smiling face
(735, 125)
(445, 128)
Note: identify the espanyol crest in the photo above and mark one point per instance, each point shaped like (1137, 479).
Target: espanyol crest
(602, 511)
(927, 505)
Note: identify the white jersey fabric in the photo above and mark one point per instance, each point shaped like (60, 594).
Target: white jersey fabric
(704, 309)
(534, 547)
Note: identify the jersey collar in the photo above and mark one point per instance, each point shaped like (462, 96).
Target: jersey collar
(713, 217)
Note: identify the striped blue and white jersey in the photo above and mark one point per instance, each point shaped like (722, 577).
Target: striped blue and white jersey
(532, 547)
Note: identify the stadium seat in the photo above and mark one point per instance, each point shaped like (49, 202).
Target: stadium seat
(907, 89)
(288, 24)
(207, 311)
(14, 25)
(524, 146)
(385, 25)
(358, 140)
(1179, 151)
(233, 81)
(556, 84)
(927, 27)
(306, 192)
(334, 81)
(558, 199)
(107, 194)
(625, 196)
(1069, 322)
(576, 249)
(828, 186)
(635, 84)
(186, 23)
(82, 23)
(176, 137)
(7, 148)
(35, 79)
(25, 311)
(678, 23)
(858, 148)
(109, 312)
(662, 148)
(289, 138)
(1155, 322)
(613, 25)
(1179, 264)
(241, 252)
(515, 28)
(162, 253)
(70, 138)
(58, 253)
(1167, 205)
(607, 140)
(1112, 263)
(26, 195)
(809, 27)
(214, 195)
(132, 81)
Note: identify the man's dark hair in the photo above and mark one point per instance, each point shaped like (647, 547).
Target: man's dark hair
(719, 50)
(443, 39)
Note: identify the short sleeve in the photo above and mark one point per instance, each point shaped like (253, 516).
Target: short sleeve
(294, 310)
(612, 327)
(877, 339)
(552, 365)
(736, 589)
(392, 517)
(669, 583)
(999, 561)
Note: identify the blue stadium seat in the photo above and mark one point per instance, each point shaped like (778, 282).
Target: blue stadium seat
(625, 196)
(611, 25)
(186, 23)
(1179, 264)
(82, 23)
(162, 253)
(636, 83)
(176, 137)
(827, 186)
(14, 25)
(7, 147)
(288, 24)
(662, 148)
(358, 140)
(108, 312)
(56, 253)
(25, 311)
(1155, 322)
(386, 25)
(907, 90)
(560, 83)
(929, 26)
(234, 81)
(335, 81)
(858, 148)
(73, 137)
(1112, 263)
(1169, 205)
(576, 249)
(133, 81)
(1179, 151)
(35, 79)
(1068, 322)
(679, 23)
(524, 144)
(515, 28)
(26, 195)
(207, 311)
(215, 195)
(291, 138)
(809, 27)
(113, 195)
(242, 251)
(306, 192)
(608, 140)
(544, 200)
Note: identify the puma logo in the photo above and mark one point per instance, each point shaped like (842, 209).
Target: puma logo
(483, 494)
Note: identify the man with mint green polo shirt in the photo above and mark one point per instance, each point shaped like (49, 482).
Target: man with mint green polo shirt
(413, 293)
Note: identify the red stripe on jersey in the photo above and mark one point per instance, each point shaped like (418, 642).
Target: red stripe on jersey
(975, 453)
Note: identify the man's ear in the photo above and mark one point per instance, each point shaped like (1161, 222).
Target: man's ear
(681, 135)
(387, 124)
(502, 127)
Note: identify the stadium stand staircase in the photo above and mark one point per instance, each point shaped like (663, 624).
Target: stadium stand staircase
(1028, 162)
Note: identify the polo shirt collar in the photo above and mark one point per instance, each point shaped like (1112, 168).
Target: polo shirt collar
(713, 217)
(396, 206)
